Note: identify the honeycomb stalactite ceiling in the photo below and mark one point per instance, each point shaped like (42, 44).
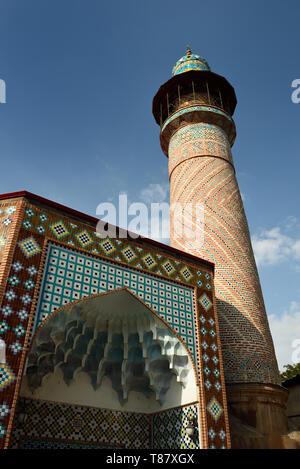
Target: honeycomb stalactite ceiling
(112, 335)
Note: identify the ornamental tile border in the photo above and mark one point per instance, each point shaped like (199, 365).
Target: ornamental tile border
(194, 108)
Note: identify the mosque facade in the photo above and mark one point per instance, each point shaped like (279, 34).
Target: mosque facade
(124, 342)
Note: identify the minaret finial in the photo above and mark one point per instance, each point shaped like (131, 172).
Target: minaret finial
(188, 51)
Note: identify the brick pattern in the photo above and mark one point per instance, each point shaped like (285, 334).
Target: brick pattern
(15, 319)
(7, 226)
(192, 114)
(198, 140)
(247, 345)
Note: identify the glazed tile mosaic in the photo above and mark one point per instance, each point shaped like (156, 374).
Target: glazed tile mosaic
(39, 443)
(57, 260)
(198, 140)
(169, 429)
(60, 426)
(193, 109)
(120, 250)
(7, 212)
(201, 114)
(85, 425)
(190, 62)
(69, 276)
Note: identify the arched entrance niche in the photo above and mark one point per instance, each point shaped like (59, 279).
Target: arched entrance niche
(110, 351)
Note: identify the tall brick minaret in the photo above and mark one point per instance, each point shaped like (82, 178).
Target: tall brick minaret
(194, 110)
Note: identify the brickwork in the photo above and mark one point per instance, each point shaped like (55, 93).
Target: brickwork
(207, 217)
(201, 172)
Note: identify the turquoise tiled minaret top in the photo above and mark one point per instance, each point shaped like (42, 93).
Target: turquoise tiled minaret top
(190, 62)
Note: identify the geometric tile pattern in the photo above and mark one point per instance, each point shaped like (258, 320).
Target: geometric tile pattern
(200, 140)
(107, 246)
(29, 247)
(215, 409)
(190, 62)
(6, 375)
(193, 108)
(70, 276)
(205, 302)
(8, 371)
(128, 254)
(235, 368)
(84, 238)
(7, 212)
(168, 267)
(169, 429)
(120, 250)
(85, 427)
(14, 314)
(149, 261)
(38, 443)
(59, 229)
(186, 273)
(82, 424)
(2, 240)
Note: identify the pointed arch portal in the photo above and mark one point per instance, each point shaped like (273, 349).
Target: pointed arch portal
(110, 350)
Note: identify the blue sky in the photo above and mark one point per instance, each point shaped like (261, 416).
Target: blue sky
(77, 126)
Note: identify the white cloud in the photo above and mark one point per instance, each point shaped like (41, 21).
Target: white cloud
(296, 249)
(275, 245)
(155, 193)
(278, 245)
(285, 330)
(146, 212)
(159, 216)
(291, 223)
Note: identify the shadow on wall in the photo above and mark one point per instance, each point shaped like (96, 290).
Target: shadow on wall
(109, 348)
(256, 399)
(248, 353)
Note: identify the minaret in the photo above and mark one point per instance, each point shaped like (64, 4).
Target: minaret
(194, 110)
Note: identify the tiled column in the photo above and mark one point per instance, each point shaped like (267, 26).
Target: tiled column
(202, 175)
